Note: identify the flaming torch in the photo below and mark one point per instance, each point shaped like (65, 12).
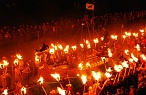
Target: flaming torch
(84, 80)
(95, 41)
(125, 65)
(41, 81)
(109, 53)
(118, 68)
(143, 57)
(57, 77)
(61, 91)
(80, 66)
(5, 63)
(5, 92)
(142, 32)
(23, 90)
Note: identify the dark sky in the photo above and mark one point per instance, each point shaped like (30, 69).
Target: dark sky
(41, 10)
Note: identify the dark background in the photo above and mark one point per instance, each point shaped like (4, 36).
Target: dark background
(14, 12)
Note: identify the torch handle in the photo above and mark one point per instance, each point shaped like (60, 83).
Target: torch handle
(44, 90)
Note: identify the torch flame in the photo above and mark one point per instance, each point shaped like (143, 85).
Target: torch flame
(135, 34)
(82, 46)
(128, 34)
(6, 63)
(61, 91)
(97, 75)
(102, 38)
(141, 30)
(36, 58)
(80, 66)
(95, 40)
(118, 68)
(134, 58)
(41, 80)
(138, 47)
(52, 50)
(16, 61)
(74, 47)
(143, 57)
(88, 45)
(19, 56)
(84, 79)
(5, 92)
(124, 64)
(23, 90)
(56, 76)
(109, 70)
(124, 36)
(114, 37)
(88, 64)
(127, 52)
(131, 60)
(109, 53)
(108, 75)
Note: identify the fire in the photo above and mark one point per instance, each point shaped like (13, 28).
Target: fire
(82, 46)
(61, 91)
(97, 75)
(52, 50)
(5, 92)
(134, 58)
(103, 59)
(124, 36)
(102, 38)
(84, 79)
(6, 63)
(128, 34)
(23, 90)
(60, 46)
(1, 66)
(137, 47)
(143, 57)
(108, 75)
(56, 76)
(131, 60)
(95, 40)
(109, 53)
(41, 80)
(141, 30)
(118, 68)
(65, 50)
(135, 34)
(87, 42)
(88, 64)
(19, 56)
(124, 64)
(80, 66)
(36, 59)
(127, 52)
(88, 45)
(109, 70)
(16, 62)
(74, 47)
(114, 37)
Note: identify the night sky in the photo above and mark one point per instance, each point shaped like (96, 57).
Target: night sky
(41, 10)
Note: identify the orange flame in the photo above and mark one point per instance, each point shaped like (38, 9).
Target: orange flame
(74, 47)
(143, 57)
(84, 79)
(109, 70)
(61, 91)
(134, 58)
(82, 46)
(5, 92)
(108, 75)
(52, 50)
(80, 66)
(19, 56)
(138, 47)
(97, 75)
(88, 64)
(16, 62)
(41, 80)
(95, 40)
(56, 76)
(118, 68)
(23, 90)
(114, 37)
(109, 53)
(127, 52)
(124, 64)
(6, 63)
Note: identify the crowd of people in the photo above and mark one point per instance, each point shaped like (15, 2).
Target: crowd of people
(23, 33)
(133, 84)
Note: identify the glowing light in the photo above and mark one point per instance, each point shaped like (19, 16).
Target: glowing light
(80, 66)
(134, 58)
(61, 91)
(41, 80)
(19, 56)
(108, 75)
(97, 75)
(56, 76)
(95, 40)
(124, 64)
(118, 68)
(23, 90)
(84, 79)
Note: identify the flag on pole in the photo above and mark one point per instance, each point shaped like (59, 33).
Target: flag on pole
(89, 6)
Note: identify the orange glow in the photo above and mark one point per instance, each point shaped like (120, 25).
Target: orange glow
(108, 75)
(19, 56)
(61, 91)
(41, 80)
(95, 40)
(56, 76)
(125, 64)
(23, 90)
(97, 75)
(84, 79)
(5, 92)
(134, 58)
(118, 68)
